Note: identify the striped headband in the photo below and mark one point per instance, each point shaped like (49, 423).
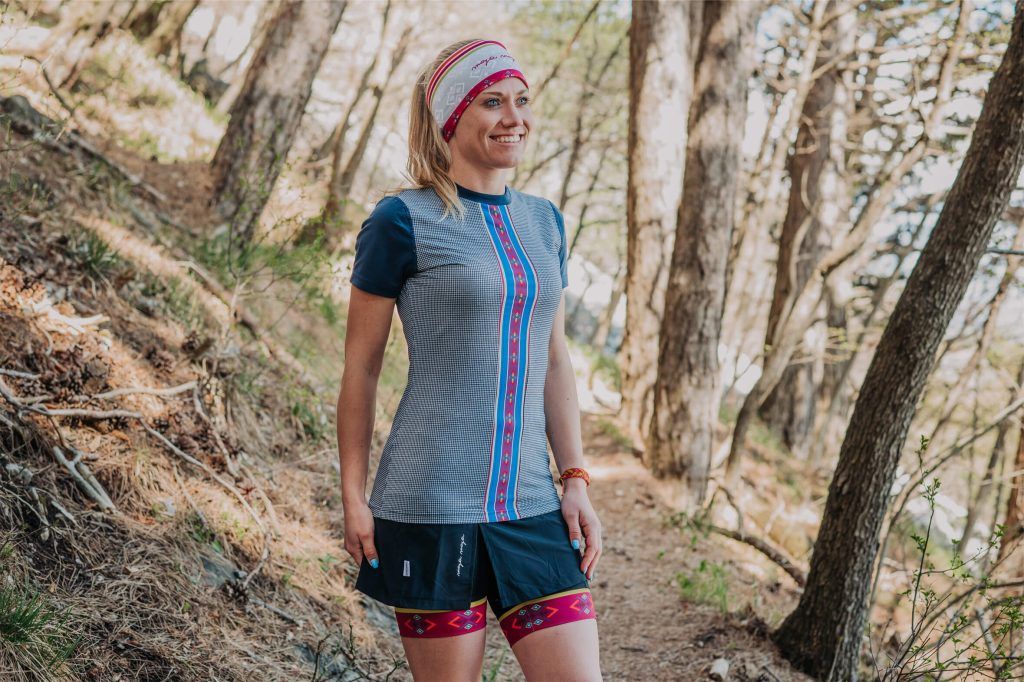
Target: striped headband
(463, 75)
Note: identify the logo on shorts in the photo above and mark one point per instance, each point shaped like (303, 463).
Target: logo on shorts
(405, 568)
(462, 543)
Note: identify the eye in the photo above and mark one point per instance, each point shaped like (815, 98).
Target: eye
(489, 100)
(524, 99)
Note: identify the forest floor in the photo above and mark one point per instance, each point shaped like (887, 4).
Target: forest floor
(158, 589)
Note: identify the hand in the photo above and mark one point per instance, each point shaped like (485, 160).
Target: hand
(583, 523)
(359, 534)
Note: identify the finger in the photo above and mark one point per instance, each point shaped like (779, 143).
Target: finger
(575, 534)
(370, 550)
(593, 535)
(588, 560)
(593, 564)
(356, 551)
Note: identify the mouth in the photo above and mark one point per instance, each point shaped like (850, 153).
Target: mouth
(508, 140)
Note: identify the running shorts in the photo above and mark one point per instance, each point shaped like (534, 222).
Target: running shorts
(439, 576)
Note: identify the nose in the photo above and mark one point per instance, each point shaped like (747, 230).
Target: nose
(511, 116)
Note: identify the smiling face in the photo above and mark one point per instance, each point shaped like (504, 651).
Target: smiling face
(492, 131)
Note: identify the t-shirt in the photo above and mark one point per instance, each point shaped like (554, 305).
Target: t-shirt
(477, 298)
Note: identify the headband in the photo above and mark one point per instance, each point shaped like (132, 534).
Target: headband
(463, 75)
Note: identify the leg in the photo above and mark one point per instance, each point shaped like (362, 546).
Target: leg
(554, 638)
(444, 645)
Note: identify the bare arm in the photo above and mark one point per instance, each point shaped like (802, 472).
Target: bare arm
(561, 402)
(369, 323)
(562, 423)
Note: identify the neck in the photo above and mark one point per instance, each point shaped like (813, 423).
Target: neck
(484, 180)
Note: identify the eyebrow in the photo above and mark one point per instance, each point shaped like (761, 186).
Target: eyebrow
(495, 92)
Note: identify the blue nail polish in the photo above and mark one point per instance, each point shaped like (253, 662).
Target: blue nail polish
(575, 543)
(374, 563)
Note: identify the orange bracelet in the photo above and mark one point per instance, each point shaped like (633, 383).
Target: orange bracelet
(574, 472)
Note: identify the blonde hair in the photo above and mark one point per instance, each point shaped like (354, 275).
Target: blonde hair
(429, 154)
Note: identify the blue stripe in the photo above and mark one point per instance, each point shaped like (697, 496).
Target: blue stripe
(522, 350)
(506, 317)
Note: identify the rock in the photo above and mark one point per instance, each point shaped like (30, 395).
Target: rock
(719, 669)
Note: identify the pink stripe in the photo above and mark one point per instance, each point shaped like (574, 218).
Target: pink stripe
(545, 613)
(446, 64)
(443, 624)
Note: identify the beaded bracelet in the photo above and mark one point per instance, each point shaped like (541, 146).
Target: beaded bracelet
(574, 472)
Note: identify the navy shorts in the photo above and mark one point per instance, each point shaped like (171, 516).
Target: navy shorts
(439, 576)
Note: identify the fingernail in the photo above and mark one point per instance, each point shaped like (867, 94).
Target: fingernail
(374, 563)
(575, 543)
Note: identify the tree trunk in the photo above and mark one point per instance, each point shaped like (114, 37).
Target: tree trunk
(335, 142)
(951, 399)
(823, 635)
(1014, 520)
(790, 408)
(80, 27)
(170, 24)
(143, 18)
(845, 256)
(688, 387)
(604, 325)
(664, 37)
(236, 81)
(582, 134)
(342, 178)
(268, 110)
(974, 505)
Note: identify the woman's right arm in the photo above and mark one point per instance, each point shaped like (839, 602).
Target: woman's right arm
(369, 324)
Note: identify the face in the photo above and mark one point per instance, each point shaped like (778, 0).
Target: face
(493, 130)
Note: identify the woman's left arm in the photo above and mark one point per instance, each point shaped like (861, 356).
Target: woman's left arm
(562, 423)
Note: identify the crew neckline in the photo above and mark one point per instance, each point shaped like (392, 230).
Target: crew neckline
(482, 198)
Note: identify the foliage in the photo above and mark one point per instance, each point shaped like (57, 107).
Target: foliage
(709, 584)
(34, 630)
(961, 623)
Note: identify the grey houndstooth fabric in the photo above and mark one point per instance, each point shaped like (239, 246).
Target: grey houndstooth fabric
(477, 300)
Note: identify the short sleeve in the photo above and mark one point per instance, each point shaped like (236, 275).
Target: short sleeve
(563, 247)
(385, 249)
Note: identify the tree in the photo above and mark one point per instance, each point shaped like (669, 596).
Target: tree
(790, 408)
(823, 635)
(663, 42)
(267, 112)
(688, 386)
(169, 25)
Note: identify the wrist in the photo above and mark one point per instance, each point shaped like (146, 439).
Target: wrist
(353, 499)
(574, 484)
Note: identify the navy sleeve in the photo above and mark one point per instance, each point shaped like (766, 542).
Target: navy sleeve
(385, 249)
(563, 247)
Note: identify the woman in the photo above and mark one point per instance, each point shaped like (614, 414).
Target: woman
(464, 509)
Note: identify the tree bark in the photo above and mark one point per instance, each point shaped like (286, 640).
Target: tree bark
(267, 112)
(173, 17)
(974, 505)
(790, 408)
(823, 635)
(688, 386)
(664, 37)
(1014, 520)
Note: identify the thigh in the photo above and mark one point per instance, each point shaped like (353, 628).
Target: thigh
(459, 658)
(554, 637)
(566, 653)
(442, 644)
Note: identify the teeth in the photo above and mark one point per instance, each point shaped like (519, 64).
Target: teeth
(507, 138)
